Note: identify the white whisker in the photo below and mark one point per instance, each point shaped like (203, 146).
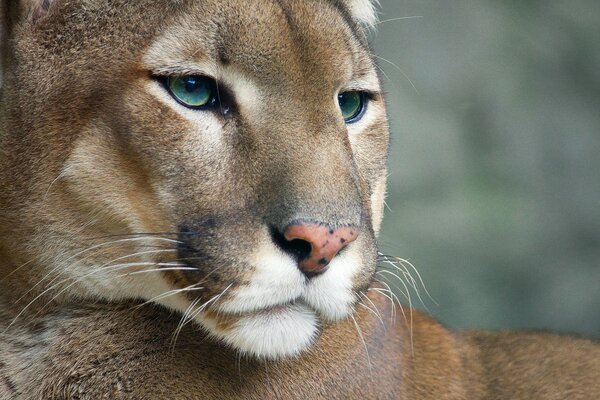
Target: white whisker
(391, 292)
(411, 281)
(80, 279)
(383, 293)
(410, 308)
(406, 293)
(369, 309)
(401, 71)
(181, 321)
(72, 257)
(146, 271)
(191, 315)
(407, 262)
(398, 19)
(362, 338)
(374, 306)
(171, 293)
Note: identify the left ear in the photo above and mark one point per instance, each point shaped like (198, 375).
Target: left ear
(36, 9)
(13, 12)
(21, 10)
(364, 11)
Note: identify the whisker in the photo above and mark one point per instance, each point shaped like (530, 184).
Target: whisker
(374, 306)
(75, 281)
(398, 19)
(362, 338)
(74, 256)
(191, 315)
(410, 309)
(360, 303)
(196, 313)
(386, 76)
(409, 325)
(107, 263)
(411, 282)
(19, 267)
(115, 267)
(391, 292)
(61, 175)
(145, 271)
(383, 293)
(169, 293)
(406, 293)
(401, 71)
(407, 262)
(153, 234)
(210, 273)
(181, 321)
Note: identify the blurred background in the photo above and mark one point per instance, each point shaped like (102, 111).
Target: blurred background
(494, 187)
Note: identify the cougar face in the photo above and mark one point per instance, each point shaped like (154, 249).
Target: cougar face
(223, 158)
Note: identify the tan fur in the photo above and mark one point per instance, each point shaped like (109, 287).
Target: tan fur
(121, 352)
(100, 168)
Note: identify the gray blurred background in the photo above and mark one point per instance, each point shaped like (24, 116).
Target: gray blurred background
(495, 163)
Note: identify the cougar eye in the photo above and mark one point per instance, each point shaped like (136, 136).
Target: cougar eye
(352, 104)
(193, 91)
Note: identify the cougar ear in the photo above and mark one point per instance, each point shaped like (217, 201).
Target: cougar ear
(364, 11)
(13, 12)
(34, 9)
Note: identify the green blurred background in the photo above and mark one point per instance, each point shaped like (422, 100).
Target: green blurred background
(494, 188)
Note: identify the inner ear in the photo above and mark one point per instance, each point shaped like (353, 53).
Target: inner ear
(21, 10)
(38, 8)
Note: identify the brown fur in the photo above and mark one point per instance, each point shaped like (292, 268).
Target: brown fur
(92, 150)
(120, 353)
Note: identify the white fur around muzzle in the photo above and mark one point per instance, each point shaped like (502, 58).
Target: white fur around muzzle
(272, 334)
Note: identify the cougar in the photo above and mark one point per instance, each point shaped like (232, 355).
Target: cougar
(191, 192)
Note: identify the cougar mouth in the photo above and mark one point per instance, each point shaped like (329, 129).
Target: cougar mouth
(275, 310)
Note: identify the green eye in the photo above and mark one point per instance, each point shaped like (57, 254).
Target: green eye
(193, 91)
(352, 105)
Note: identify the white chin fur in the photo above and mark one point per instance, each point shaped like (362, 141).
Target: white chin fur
(272, 334)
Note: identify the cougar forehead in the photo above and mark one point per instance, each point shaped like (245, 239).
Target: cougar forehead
(142, 197)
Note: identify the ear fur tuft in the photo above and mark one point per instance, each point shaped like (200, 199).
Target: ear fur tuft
(364, 11)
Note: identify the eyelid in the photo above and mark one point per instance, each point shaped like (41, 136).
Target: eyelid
(367, 84)
(368, 96)
(183, 69)
(368, 93)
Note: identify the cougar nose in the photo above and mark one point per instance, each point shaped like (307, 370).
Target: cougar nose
(315, 245)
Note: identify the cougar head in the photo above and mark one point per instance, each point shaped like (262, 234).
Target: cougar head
(223, 158)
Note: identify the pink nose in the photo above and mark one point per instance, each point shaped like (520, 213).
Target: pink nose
(325, 243)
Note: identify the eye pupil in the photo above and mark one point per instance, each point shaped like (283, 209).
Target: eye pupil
(352, 105)
(191, 85)
(192, 91)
